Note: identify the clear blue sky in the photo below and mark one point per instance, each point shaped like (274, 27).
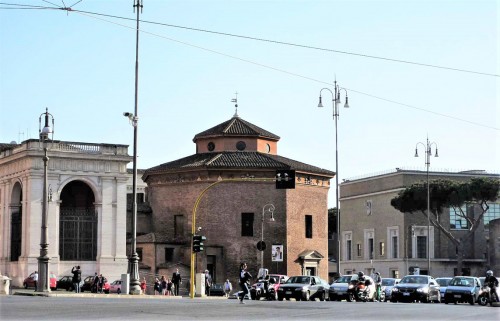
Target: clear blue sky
(82, 68)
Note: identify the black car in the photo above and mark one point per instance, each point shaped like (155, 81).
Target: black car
(217, 289)
(411, 288)
(304, 287)
(66, 283)
(89, 282)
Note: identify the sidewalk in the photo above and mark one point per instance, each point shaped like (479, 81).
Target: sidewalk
(70, 294)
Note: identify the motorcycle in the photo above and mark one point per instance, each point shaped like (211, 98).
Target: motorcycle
(358, 291)
(486, 295)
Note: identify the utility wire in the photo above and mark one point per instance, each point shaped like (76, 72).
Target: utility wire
(287, 72)
(281, 42)
(93, 15)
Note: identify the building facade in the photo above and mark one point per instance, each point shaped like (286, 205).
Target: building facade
(376, 236)
(232, 179)
(87, 187)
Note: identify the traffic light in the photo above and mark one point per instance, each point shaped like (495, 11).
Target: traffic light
(285, 178)
(198, 243)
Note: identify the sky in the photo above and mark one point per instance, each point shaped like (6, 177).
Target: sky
(80, 65)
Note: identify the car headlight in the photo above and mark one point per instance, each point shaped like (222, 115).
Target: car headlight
(304, 288)
(351, 286)
(280, 289)
(395, 289)
(423, 290)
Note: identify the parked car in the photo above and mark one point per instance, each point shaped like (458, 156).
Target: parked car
(115, 287)
(338, 289)
(258, 291)
(464, 289)
(66, 283)
(443, 284)
(304, 287)
(412, 288)
(30, 283)
(387, 285)
(89, 281)
(217, 289)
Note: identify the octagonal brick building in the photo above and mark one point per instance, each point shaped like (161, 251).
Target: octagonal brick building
(238, 155)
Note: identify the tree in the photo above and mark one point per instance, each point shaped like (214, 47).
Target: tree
(446, 194)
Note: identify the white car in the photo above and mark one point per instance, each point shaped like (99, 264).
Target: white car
(116, 287)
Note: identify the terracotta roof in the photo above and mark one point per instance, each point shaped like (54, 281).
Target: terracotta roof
(236, 160)
(236, 127)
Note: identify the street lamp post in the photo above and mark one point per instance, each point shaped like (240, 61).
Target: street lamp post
(133, 267)
(335, 102)
(43, 260)
(270, 208)
(428, 153)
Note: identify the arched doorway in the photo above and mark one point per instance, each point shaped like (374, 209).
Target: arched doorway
(16, 222)
(77, 223)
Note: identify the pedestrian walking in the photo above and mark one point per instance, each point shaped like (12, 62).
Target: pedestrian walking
(157, 286)
(245, 276)
(77, 278)
(163, 285)
(228, 287)
(170, 287)
(378, 285)
(208, 283)
(176, 280)
(143, 285)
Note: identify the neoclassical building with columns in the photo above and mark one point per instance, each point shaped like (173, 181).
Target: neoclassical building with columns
(87, 191)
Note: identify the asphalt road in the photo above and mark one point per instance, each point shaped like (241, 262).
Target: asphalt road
(123, 307)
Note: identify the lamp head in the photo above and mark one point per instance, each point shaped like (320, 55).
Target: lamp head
(320, 105)
(346, 105)
(416, 152)
(436, 155)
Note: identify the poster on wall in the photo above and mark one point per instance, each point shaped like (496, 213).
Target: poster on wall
(277, 253)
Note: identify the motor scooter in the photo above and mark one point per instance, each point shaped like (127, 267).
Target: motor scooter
(487, 296)
(357, 291)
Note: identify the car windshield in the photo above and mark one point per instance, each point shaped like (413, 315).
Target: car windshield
(462, 282)
(299, 279)
(344, 279)
(443, 282)
(388, 282)
(414, 279)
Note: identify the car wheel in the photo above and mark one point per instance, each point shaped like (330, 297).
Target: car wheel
(119, 291)
(25, 285)
(280, 298)
(322, 297)
(471, 301)
(288, 299)
(350, 297)
(307, 296)
(252, 296)
(274, 296)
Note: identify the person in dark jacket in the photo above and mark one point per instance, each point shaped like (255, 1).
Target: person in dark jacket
(245, 277)
(176, 280)
(77, 278)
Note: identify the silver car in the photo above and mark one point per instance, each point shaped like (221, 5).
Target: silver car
(338, 289)
(387, 285)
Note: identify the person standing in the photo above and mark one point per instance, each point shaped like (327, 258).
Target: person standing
(157, 286)
(176, 280)
(228, 287)
(143, 285)
(163, 285)
(95, 283)
(208, 283)
(35, 279)
(245, 276)
(77, 277)
(378, 285)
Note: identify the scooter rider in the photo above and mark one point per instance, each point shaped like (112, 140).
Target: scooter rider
(492, 282)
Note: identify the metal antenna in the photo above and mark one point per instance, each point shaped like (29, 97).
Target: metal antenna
(235, 101)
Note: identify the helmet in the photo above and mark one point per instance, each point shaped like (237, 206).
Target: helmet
(360, 274)
(489, 273)
(378, 273)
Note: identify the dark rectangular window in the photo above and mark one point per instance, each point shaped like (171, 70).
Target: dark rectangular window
(349, 250)
(370, 248)
(358, 249)
(169, 254)
(394, 247)
(178, 225)
(309, 226)
(247, 224)
(139, 253)
(421, 247)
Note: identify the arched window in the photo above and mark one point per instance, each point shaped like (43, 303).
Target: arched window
(77, 223)
(16, 222)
